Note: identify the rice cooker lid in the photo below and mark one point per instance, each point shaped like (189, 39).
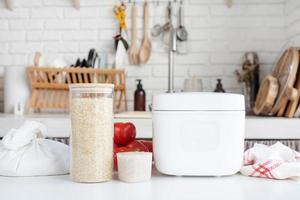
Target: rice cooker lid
(198, 101)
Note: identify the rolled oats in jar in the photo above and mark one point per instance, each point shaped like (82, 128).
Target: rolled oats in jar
(91, 111)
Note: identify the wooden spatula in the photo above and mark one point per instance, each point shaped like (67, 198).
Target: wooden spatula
(133, 53)
(145, 50)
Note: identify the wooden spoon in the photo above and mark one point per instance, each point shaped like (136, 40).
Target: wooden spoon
(145, 50)
(133, 53)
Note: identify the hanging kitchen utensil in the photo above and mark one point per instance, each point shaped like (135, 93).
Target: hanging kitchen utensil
(145, 50)
(9, 4)
(168, 25)
(133, 53)
(157, 28)
(76, 4)
(181, 32)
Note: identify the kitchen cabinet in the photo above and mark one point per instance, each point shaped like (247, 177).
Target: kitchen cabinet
(160, 187)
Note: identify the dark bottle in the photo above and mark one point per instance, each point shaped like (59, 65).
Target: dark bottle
(219, 86)
(139, 97)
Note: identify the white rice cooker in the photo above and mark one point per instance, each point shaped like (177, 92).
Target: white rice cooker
(198, 134)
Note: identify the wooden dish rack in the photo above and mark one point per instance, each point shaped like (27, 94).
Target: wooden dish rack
(50, 86)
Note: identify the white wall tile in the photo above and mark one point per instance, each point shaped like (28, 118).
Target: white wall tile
(218, 37)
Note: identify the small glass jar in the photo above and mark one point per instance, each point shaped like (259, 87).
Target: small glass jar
(193, 84)
(91, 112)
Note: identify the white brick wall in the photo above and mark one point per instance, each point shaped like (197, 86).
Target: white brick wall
(219, 36)
(293, 21)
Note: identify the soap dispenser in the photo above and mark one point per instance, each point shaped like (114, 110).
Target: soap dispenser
(139, 97)
(219, 86)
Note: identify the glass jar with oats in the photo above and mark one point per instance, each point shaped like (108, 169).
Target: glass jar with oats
(91, 111)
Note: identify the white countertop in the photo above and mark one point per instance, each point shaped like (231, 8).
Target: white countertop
(256, 127)
(160, 187)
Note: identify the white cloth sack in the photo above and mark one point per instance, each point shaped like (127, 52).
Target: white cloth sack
(25, 152)
(275, 162)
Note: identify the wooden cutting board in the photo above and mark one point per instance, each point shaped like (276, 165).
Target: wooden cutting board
(293, 104)
(285, 72)
(266, 95)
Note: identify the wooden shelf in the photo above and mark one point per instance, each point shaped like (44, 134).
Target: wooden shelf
(256, 127)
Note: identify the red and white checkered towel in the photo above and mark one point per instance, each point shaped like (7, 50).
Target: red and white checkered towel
(275, 162)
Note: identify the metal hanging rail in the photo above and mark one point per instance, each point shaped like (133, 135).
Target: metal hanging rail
(157, 2)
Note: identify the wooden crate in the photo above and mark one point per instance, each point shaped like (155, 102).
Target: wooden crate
(50, 86)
